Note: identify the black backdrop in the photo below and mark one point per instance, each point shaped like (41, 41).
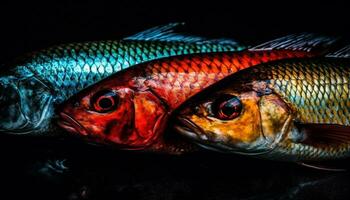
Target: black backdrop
(31, 25)
(96, 173)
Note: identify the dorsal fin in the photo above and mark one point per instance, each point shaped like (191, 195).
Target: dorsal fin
(325, 134)
(342, 53)
(302, 42)
(167, 33)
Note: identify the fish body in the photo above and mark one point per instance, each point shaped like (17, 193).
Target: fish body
(69, 68)
(33, 86)
(291, 110)
(131, 108)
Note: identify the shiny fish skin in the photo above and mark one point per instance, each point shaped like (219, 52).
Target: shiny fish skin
(319, 92)
(69, 68)
(148, 93)
(186, 76)
(292, 110)
(33, 85)
(317, 89)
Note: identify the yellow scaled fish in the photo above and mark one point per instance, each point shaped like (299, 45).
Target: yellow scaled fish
(292, 110)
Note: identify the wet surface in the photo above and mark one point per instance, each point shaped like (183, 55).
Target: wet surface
(66, 169)
(47, 170)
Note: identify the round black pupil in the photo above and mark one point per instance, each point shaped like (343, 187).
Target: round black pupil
(230, 107)
(105, 103)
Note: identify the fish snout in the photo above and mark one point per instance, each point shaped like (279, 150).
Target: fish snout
(11, 117)
(26, 105)
(189, 129)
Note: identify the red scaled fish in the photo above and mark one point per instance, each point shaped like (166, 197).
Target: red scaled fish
(131, 108)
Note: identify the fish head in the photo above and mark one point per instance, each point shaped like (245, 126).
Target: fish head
(241, 120)
(25, 104)
(115, 111)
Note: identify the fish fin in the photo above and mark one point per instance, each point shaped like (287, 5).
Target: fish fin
(167, 33)
(324, 134)
(321, 167)
(302, 42)
(341, 53)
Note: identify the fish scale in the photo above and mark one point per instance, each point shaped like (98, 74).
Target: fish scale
(63, 70)
(318, 91)
(144, 96)
(206, 70)
(308, 152)
(72, 67)
(294, 109)
(330, 89)
(168, 83)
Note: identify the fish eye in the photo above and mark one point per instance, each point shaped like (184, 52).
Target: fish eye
(227, 107)
(105, 101)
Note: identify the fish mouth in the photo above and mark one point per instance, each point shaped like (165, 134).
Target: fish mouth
(190, 129)
(186, 127)
(71, 125)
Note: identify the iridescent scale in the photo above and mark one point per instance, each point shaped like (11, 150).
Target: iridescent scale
(73, 67)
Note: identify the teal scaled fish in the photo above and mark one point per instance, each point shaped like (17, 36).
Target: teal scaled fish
(33, 86)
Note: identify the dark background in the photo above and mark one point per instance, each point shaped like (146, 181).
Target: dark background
(27, 168)
(32, 25)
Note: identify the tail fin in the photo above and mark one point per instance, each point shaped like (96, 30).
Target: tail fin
(302, 42)
(341, 53)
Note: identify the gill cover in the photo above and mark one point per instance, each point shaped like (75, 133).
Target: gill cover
(26, 103)
(261, 124)
(124, 116)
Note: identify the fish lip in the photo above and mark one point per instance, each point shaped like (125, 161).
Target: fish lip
(188, 128)
(71, 125)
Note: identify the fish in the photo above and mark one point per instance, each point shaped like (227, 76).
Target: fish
(130, 109)
(295, 110)
(32, 86)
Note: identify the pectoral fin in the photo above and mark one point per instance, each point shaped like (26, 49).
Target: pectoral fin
(324, 134)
